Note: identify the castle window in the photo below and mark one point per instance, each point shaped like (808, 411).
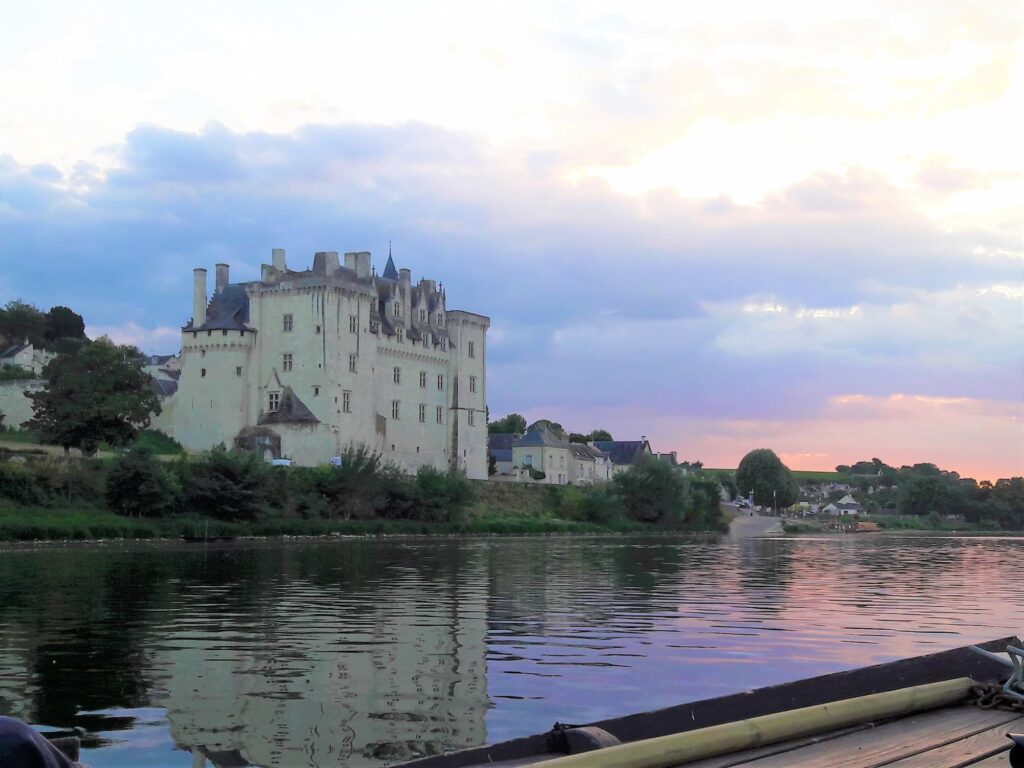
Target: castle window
(238, 370)
(444, 345)
(286, 324)
(440, 320)
(469, 417)
(223, 333)
(472, 383)
(209, 333)
(423, 379)
(397, 309)
(316, 391)
(423, 315)
(353, 323)
(423, 413)
(401, 335)
(242, 334)
(440, 382)
(273, 401)
(202, 372)
(317, 330)
(528, 460)
(286, 361)
(346, 402)
(395, 408)
(472, 349)
(440, 414)
(398, 375)
(351, 363)
(426, 339)
(202, 353)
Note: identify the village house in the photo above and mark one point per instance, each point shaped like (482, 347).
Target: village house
(845, 506)
(624, 453)
(26, 356)
(303, 364)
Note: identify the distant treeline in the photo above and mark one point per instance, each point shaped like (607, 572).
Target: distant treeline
(239, 487)
(926, 490)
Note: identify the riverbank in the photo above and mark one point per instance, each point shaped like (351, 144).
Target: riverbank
(25, 524)
(892, 524)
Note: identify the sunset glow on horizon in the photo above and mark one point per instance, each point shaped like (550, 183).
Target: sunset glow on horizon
(796, 226)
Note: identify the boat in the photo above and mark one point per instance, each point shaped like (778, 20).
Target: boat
(953, 708)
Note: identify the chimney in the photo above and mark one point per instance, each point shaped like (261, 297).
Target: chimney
(405, 276)
(198, 297)
(222, 277)
(278, 259)
(350, 260)
(363, 264)
(325, 262)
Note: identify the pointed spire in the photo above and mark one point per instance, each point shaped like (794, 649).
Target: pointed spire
(390, 272)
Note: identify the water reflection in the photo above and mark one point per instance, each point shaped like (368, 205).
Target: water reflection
(365, 652)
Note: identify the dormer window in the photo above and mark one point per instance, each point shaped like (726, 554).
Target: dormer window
(400, 332)
(423, 315)
(273, 401)
(397, 309)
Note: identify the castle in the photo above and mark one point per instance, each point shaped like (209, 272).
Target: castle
(305, 364)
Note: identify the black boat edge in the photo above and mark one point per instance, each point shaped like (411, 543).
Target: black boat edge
(681, 718)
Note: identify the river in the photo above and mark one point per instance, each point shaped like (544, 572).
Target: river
(367, 652)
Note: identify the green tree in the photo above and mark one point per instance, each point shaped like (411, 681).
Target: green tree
(772, 482)
(705, 497)
(358, 488)
(99, 395)
(139, 485)
(552, 426)
(597, 434)
(20, 321)
(513, 423)
(442, 497)
(63, 323)
(227, 485)
(652, 491)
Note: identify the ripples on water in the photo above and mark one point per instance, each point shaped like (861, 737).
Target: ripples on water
(361, 653)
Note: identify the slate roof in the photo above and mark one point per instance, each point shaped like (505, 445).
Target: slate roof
(586, 452)
(291, 411)
(538, 438)
(163, 387)
(622, 452)
(228, 310)
(389, 269)
(501, 441)
(13, 350)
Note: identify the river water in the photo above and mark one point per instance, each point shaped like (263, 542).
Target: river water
(368, 652)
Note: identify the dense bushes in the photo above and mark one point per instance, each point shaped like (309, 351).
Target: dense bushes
(138, 485)
(239, 490)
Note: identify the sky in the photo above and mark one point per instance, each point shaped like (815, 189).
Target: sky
(722, 226)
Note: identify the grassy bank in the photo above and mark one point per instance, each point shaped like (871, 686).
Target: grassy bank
(26, 523)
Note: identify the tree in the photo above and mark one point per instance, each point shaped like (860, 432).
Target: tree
(63, 323)
(652, 491)
(772, 482)
(20, 321)
(138, 484)
(227, 485)
(551, 426)
(597, 434)
(492, 463)
(99, 395)
(513, 423)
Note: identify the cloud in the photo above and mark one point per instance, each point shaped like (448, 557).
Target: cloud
(640, 313)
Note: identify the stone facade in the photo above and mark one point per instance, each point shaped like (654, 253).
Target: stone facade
(14, 404)
(304, 364)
